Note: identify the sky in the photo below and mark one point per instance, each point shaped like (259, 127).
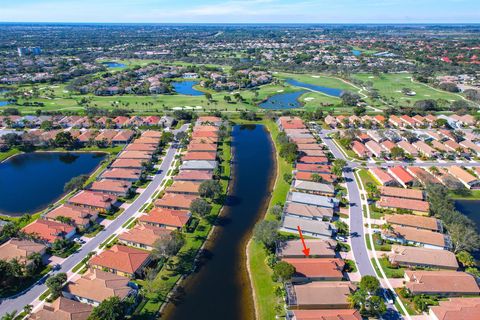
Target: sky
(241, 11)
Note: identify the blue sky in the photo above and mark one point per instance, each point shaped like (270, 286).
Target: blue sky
(242, 11)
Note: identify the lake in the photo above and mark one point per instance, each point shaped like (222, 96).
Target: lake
(356, 52)
(29, 182)
(4, 103)
(334, 92)
(113, 64)
(470, 208)
(287, 100)
(220, 288)
(186, 88)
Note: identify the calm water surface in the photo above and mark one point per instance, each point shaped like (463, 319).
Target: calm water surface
(470, 208)
(113, 64)
(186, 87)
(334, 92)
(4, 103)
(30, 182)
(220, 289)
(283, 101)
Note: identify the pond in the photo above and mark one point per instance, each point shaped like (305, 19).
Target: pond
(29, 182)
(471, 209)
(220, 288)
(356, 53)
(4, 103)
(186, 88)
(334, 92)
(287, 100)
(113, 64)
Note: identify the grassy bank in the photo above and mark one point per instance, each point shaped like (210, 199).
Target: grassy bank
(176, 267)
(266, 301)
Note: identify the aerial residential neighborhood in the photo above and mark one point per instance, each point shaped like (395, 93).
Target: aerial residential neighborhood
(257, 159)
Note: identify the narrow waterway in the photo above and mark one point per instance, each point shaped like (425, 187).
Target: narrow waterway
(220, 289)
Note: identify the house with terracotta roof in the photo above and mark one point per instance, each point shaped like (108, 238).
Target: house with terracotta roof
(49, 231)
(471, 146)
(316, 269)
(96, 285)
(80, 217)
(211, 120)
(417, 237)
(141, 147)
(308, 176)
(456, 308)
(319, 248)
(175, 201)
(401, 193)
(401, 175)
(419, 222)
(424, 149)
(21, 250)
(465, 177)
(419, 121)
(330, 121)
(308, 146)
(106, 136)
(193, 175)
(408, 148)
(166, 218)
(374, 148)
(407, 121)
(120, 121)
(315, 168)
(122, 174)
(123, 137)
(148, 140)
(419, 207)
(87, 137)
(320, 295)
(128, 164)
(143, 236)
(360, 149)
(382, 176)
(313, 160)
(185, 187)
(63, 309)
(121, 260)
(423, 176)
(202, 147)
(142, 155)
(441, 283)
(100, 201)
(119, 188)
(418, 257)
(192, 155)
(379, 119)
(333, 314)
(395, 121)
(152, 134)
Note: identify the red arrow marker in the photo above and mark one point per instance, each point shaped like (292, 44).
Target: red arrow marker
(306, 251)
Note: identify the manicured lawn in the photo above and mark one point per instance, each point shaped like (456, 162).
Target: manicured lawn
(390, 271)
(367, 177)
(8, 154)
(391, 85)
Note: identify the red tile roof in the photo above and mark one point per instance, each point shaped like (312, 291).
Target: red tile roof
(48, 230)
(166, 217)
(93, 199)
(121, 258)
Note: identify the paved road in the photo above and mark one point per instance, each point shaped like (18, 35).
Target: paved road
(28, 297)
(359, 248)
(357, 235)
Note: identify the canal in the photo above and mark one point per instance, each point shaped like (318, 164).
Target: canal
(220, 289)
(29, 182)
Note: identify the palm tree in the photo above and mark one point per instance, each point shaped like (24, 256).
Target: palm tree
(434, 170)
(10, 315)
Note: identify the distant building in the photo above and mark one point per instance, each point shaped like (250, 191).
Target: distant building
(29, 51)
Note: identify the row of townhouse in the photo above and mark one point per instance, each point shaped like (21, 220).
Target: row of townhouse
(450, 176)
(82, 210)
(429, 145)
(109, 272)
(423, 248)
(79, 122)
(402, 121)
(317, 289)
